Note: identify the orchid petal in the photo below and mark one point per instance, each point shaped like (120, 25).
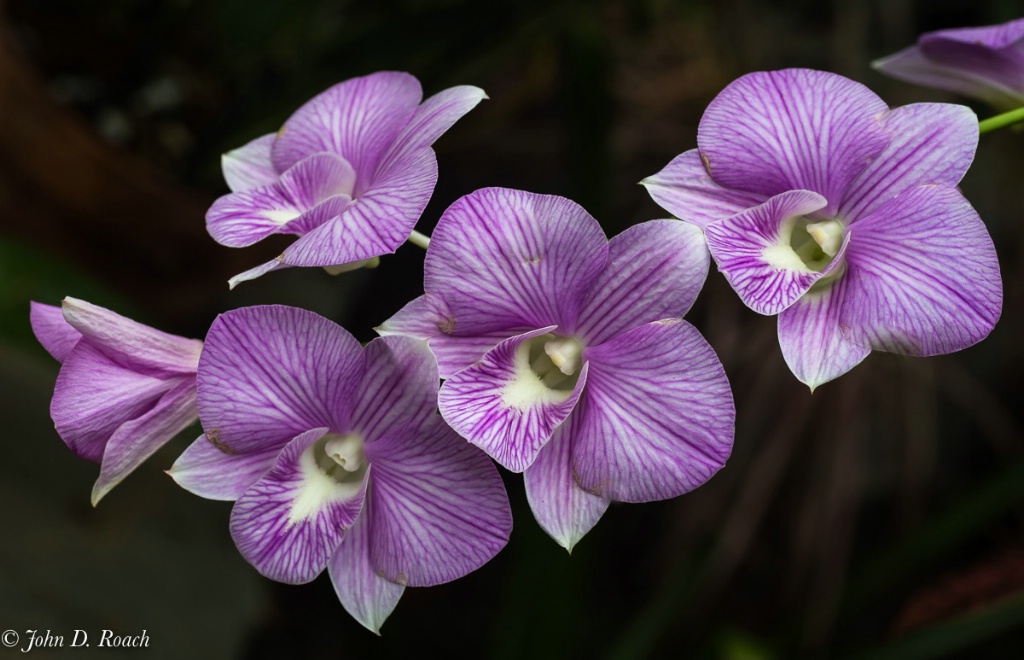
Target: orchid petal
(399, 387)
(271, 372)
(289, 523)
(138, 439)
(130, 343)
(428, 317)
(562, 509)
(932, 143)
(258, 271)
(686, 190)
(501, 406)
(437, 507)
(56, 335)
(657, 418)
(212, 470)
(95, 395)
(249, 166)
(753, 251)
(306, 196)
(431, 120)
(769, 132)
(924, 276)
(369, 598)
(376, 223)
(506, 258)
(357, 119)
(655, 271)
(812, 340)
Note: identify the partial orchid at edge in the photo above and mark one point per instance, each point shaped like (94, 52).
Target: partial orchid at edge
(124, 389)
(824, 206)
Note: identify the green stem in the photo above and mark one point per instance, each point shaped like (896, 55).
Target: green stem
(418, 239)
(1001, 121)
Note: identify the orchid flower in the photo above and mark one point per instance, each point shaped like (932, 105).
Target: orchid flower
(822, 205)
(349, 173)
(336, 459)
(985, 63)
(565, 356)
(124, 389)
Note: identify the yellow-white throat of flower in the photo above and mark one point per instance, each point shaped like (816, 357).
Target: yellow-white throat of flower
(341, 457)
(547, 369)
(806, 245)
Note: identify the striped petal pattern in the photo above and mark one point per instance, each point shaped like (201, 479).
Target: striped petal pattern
(501, 406)
(657, 417)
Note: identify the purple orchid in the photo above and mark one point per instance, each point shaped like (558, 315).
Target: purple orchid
(350, 173)
(565, 356)
(124, 389)
(338, 460)
(824, 206)
(985, 63)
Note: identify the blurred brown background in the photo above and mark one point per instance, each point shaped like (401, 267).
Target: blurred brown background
(880, 517)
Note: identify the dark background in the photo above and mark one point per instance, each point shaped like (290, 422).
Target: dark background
(880, 517)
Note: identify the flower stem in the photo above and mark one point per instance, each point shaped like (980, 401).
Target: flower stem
(1001, 121)
(422, 240)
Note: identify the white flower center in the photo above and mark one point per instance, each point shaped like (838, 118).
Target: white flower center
(547, 369)
(805, 244)
(341, 457)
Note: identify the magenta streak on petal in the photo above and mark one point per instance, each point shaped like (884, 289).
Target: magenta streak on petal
(209, 469)
(437, 506)
(924, 276)
(655, 270)
(562, 509)
(370, 599)
(506, 258)
(657, 418)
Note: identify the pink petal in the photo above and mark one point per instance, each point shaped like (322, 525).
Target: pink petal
(686, 190)
(249, 166)
(795, 129)
(211, 470)
(271, 372)
(924, 276)
(437, 507)
(138, 439)
(132, 344)
(562, 509)
(753, 251)
(506, 258)
(657, 418)
(655, 271)
(56, 335)
(369, 598)
(812, 339)
(429, 318)
(932, 143)
(357, 119)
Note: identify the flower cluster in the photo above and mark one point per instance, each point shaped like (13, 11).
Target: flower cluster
(563, 354)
